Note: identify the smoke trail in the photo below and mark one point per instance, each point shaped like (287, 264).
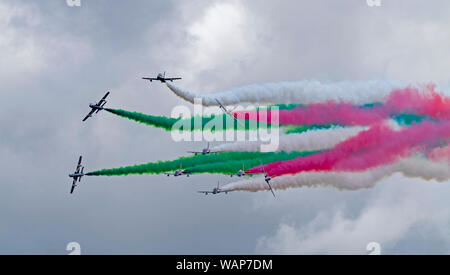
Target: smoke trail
(411, 167)
(303, 92)
(213, 161)
(172, 165)
(189, 124)
(440, 153)
(233, 166)
(321, 114)
(425, 102)
(165, 123)
(309, 140)
(409, 119)
(376, 146)
(298, 129)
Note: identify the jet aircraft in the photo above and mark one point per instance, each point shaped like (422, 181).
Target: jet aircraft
(161, 77)
(77, 175)
(95, 108)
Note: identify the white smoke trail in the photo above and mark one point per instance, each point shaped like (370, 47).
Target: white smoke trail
(308, 141)
(302, 92)
(411, 167)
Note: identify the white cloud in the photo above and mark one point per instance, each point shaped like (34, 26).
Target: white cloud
(214, 38)
(387, 218)
(220, 35)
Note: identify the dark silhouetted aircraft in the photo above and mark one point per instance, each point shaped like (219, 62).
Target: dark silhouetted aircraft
(228, 112)
(179, 172)
(95, 108)
(161, 77)
(205, 151)
(216, 190)
(77, 175)
(240, 173)
(267, 179)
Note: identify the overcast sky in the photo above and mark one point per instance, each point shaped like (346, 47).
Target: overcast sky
(56, 59)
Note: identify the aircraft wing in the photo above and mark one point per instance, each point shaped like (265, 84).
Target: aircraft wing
(270, 187)
(104, 97)
(73, 186)
(193, 152)
(227, 111)
(89, 115)
(79, 160)
(150, 78)
(205, 192)
(223, 107)
(172, 78)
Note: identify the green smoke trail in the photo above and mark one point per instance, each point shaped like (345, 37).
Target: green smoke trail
(233, 166)
(408, 119)
(297, 129)
(205, 123)
(283, 106)
(225, 122)
(191, 162)
(401, 119)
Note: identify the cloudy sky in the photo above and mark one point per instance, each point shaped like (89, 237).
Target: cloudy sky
(55, 59)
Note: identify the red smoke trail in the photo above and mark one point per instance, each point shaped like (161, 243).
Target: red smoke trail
(379, 145)
(425, 102)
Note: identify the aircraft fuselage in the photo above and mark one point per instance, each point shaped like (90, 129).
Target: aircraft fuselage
(95, 106)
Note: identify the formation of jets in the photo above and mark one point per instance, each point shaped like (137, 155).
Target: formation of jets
(97, 107)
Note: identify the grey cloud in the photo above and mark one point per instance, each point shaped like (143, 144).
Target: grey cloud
(75, 54)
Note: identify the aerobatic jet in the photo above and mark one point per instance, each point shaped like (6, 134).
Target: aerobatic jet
(267, 178)
(179, 172)
(95, 108)
(228, 112)
(77, 175)
(240, 173)
(216, 190)
(205, 151)
(162, 77)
